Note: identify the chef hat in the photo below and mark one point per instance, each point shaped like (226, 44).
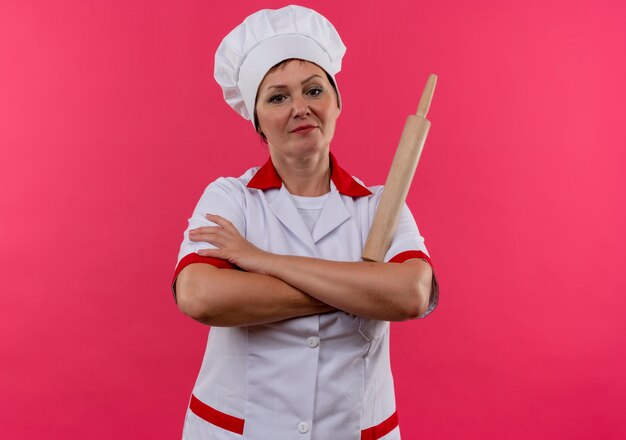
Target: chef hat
(266, 38)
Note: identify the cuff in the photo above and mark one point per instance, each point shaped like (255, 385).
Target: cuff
(434, 293)
(408, 255)
(195, 258)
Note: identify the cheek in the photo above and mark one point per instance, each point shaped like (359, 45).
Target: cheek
(272, 118)
(272, 125)
(333, 108)
(264, 122)
(331, 116)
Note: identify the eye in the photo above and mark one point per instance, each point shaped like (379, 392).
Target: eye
(315, 91)
(277, 98)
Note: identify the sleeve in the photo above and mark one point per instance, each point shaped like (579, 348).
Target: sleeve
(223, 198)
(407, 243)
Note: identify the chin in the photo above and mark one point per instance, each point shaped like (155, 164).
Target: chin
(310, 147)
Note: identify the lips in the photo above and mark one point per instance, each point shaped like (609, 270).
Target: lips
(304, 128)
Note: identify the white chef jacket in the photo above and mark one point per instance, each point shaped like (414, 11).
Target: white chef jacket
(319, 377)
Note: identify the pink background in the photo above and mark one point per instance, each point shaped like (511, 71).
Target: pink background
(111, 126)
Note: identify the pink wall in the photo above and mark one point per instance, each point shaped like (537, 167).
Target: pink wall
(111, 125)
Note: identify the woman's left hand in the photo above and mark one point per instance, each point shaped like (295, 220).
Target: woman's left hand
(230, 245)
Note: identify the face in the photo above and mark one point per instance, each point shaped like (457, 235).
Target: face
(297, 109)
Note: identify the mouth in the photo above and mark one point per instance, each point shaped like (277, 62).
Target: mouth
(304, 128)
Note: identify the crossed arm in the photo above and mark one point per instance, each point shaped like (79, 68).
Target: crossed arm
(274, 287)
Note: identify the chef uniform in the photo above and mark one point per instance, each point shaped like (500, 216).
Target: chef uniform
(319, 377)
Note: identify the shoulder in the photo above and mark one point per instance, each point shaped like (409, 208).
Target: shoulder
(232, 185)
(375, 190)
(231, 193)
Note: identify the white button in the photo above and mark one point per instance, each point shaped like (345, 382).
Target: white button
(303, 427)
(313, 341)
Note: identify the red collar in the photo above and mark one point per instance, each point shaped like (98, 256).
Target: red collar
(267, 178)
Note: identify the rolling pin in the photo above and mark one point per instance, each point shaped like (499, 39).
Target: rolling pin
(399, 178)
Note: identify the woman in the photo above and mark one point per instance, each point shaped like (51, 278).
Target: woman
(271, 260)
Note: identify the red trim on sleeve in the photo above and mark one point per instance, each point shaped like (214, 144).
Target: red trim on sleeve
(382, 429)
(407, 255)
(195, 258)
(215, 417)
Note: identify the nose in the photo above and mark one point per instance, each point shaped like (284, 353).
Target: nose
(300, 106)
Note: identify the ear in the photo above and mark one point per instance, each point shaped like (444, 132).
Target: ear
(257, 124)
(263, 138)
(338, 99)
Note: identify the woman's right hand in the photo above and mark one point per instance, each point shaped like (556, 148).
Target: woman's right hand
(231, 246)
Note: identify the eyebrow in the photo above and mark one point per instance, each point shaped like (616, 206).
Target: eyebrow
(282, 86)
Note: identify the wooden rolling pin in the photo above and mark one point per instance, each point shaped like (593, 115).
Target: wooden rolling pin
(399, 178)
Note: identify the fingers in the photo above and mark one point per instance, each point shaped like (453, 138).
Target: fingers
(220, 235)
(229, 243)
(215, 253)
(205, 230)
(223, 226)
(204, 238)
(220, 221)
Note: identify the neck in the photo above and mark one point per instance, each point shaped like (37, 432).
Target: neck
(307, 176)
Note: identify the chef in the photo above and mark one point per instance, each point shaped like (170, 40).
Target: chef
(299, 339)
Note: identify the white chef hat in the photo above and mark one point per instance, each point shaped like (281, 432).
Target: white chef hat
(266, 38)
